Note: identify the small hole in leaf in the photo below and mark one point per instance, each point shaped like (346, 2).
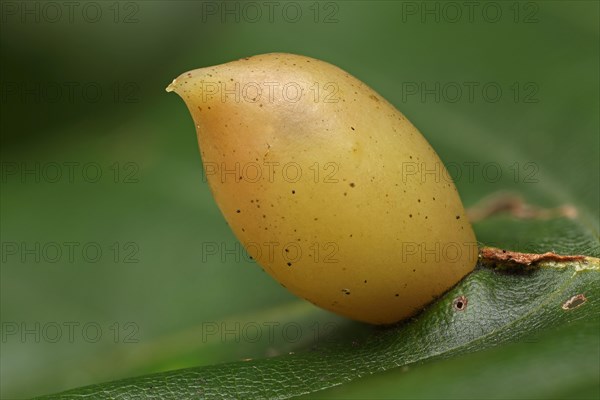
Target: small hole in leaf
(460, 303)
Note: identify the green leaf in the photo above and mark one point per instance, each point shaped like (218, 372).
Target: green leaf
(516, 371)
(502, 306)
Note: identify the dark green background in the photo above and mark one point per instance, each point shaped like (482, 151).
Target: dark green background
(167, 210)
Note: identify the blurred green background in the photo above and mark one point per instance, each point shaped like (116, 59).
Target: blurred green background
(83, 94)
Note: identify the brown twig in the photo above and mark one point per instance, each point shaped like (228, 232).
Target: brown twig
(514, 205)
